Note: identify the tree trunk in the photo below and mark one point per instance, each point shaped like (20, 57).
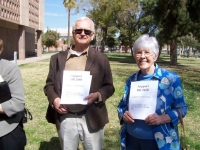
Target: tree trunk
(190, 51)
(104, 39)
(126, 49)
(173, 52)
(131, 48)
(168, 49)
(160, 50)
(183, 48)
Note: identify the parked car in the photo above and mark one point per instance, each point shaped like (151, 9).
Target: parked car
(112, 49)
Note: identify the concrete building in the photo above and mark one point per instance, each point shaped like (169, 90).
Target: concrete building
(21, 26)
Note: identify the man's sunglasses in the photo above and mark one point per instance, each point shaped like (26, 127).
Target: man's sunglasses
(79, 31)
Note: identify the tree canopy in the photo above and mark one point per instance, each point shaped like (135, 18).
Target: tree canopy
(69, 4)
(167, 20)
(49, 38)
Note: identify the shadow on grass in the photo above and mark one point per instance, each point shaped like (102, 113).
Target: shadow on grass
(53, 144)
(121, 57)
(111, 140)
(128, 58)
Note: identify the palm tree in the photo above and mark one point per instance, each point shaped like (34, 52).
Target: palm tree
(69, 4)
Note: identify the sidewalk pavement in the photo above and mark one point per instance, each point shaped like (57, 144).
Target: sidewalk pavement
(33, 59)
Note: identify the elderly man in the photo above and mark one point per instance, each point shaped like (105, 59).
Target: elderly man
(80, 122)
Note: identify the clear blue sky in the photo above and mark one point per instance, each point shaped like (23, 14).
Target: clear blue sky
(56, 15)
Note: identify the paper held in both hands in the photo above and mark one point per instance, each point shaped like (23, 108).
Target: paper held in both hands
(142, 98)
(75, 87)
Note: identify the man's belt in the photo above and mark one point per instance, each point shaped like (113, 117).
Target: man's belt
(78, 113)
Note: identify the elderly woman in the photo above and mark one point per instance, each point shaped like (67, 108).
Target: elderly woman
(12, 101)
(157, 131)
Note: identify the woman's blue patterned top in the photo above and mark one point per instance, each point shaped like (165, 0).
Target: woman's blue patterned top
(170, 98)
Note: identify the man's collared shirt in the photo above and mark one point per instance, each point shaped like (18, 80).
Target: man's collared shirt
(76, 61)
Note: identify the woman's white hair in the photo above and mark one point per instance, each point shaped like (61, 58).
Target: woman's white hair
(146, 42)
(84, 18)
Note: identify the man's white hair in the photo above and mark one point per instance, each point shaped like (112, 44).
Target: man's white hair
(84, 18)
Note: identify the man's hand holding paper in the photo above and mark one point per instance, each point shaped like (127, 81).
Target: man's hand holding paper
(91, 98)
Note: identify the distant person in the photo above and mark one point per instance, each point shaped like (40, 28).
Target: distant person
(80, 122)
(159, 130)
(12, 135)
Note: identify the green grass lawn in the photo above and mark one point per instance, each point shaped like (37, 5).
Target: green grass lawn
(43, 136)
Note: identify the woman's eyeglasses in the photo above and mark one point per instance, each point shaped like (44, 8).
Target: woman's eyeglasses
(145, 53)
(79, 31)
